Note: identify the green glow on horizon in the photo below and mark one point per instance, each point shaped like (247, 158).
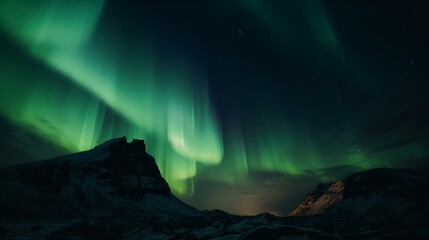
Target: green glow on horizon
(281, 148)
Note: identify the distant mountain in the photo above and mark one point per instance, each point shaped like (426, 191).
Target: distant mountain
(374, 204)
(389, 190)
(115, 191)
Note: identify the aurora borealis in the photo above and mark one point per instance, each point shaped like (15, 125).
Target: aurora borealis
(245, 104)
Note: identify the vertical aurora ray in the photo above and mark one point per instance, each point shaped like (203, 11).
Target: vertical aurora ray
(234, 166)
(188, 123)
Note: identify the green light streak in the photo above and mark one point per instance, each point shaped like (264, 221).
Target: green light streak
(283, 148)
(234, 167)
(43, 26)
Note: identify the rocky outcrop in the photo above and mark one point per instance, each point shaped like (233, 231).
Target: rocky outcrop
(322, 198)
(394, 190)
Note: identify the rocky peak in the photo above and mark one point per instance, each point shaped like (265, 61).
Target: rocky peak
(111, 175)
(323, 197)
(130, 158)
(373, 188)
(131, 171)
(120, 145)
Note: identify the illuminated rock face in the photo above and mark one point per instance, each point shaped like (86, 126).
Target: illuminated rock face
(323, 197)
(367, 192)
(114, 175)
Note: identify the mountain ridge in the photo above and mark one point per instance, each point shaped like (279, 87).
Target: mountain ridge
(116, 191)
(381, 183)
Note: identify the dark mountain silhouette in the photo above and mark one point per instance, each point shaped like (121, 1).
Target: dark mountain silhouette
(114, 175)
(116, 191)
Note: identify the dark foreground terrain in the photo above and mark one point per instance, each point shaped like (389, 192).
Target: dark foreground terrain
(115, 191)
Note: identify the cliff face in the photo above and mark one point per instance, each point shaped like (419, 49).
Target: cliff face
(114, 175)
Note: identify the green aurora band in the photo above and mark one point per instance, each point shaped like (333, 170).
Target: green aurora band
(76, 92)
(166, 106)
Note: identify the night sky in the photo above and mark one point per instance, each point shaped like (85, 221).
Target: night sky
(245, 104)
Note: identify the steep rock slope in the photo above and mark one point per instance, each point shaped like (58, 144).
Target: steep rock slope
(114, 176)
